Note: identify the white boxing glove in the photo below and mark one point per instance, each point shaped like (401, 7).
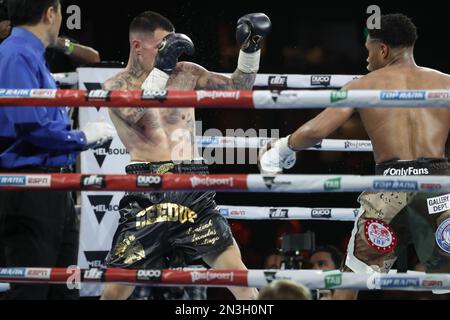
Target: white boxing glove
(156, 80)
(98, 133)
(275, 157)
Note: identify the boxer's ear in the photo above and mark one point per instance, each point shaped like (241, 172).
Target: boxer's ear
(137, 46)
(385, 51)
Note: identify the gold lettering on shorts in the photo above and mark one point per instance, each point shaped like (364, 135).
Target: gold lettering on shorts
(164, 168)
(165, 212)
(130, 250)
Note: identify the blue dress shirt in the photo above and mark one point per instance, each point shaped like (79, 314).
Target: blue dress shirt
(32, 136)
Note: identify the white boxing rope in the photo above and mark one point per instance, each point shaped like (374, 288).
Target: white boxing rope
(346, 183)
(313, 279)
(287, 213)
(259, 142)
(319, 99)
(301, 81)
(293, 81)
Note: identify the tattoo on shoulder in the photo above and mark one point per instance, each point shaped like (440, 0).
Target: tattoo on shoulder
(238, 81)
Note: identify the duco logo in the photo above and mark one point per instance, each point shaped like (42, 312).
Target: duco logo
(149, 275)
(320, 81)
(321, 213)
(148, 181)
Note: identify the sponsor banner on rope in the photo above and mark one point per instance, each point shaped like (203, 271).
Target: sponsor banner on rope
(338, 95)
(430, 186)
(38, 180)
(276, 213)
(332, 184)
(277, 81)
(38, 273)
(333, 280)
(211, 182)
(93, 181)
(201, 94)
(406, 95)
(443, 235)
(25, 181)
(148, 181)
(321, 213)
(94, 274)
(396, 282)
(12, 272)
(153, 276)
(98, 95)
(436, 95)
(12, 181)
(212, 277)
(393, 185)
(274, 182)
(28, 93)
(438, 204)
(320, 80)
(428, 283)
(365, 145)
(159, 95)
(207, 141)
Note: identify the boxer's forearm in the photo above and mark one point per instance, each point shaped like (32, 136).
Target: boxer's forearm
(304, 137)
(243, 81)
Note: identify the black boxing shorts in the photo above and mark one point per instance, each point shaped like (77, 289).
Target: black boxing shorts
(390, 220)
(167, 229)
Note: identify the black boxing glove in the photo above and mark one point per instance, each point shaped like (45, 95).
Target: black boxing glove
(170, 49)
(250, 31)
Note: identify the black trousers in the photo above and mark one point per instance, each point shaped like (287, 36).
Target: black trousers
(38, 229)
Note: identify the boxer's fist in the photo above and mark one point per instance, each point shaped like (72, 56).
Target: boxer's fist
(250, 31)
(276, 156)
(170, 49)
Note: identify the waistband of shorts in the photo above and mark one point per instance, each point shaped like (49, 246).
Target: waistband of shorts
(191, 166)
(418, 167)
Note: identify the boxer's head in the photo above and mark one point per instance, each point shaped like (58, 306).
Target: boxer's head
(41, 16)
(394, 39)
(147, 30)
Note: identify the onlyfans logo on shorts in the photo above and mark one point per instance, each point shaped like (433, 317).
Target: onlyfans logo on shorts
(196, 181)
(212, 275)
(411, 171)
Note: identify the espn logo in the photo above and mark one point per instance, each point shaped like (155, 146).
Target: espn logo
(320, 81)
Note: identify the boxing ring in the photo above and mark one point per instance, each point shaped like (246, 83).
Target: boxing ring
(284, 183)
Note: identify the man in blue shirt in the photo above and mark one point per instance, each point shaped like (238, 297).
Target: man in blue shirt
(37, 229)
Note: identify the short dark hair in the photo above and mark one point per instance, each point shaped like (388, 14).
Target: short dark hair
(29, 12)
(397, 30)
(335, 253)
(149, 21)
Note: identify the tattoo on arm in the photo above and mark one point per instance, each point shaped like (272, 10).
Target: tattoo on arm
(238, 81)
(130, 115)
